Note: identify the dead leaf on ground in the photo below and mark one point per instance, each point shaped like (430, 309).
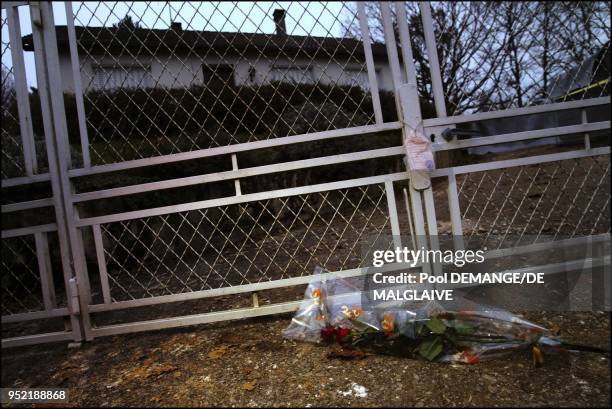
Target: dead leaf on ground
(218, 352)
(147, 372)
(232, 338)
(160, 369)
(309, 387)
(68, 371)
(149, 361)
(249, 386)
(346, 353)
(178, 344)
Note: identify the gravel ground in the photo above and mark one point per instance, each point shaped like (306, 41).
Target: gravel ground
(248, 363)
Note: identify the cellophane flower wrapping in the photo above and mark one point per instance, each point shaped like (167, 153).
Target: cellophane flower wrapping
(332, 311)
(312, 316)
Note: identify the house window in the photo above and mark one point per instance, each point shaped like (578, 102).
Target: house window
(222, 74)
(112, 77)
(299, 75)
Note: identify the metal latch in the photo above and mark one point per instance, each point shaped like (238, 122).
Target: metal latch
(450, 134)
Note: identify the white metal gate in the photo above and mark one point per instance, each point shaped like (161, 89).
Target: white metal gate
(203, 158)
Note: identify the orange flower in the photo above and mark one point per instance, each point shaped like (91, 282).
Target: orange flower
(469, 357)
(388, 324)
(316, 293)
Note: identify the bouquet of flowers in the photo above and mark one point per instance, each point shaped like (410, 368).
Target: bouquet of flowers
(332, 312)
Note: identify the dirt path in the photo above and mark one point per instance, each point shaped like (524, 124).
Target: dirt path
(247, 363)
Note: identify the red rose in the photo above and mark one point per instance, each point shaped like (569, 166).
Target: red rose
(342, 333)
(327, 333)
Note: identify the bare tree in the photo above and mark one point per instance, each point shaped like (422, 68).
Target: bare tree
(7, 89)
(495, 55)
(469, 56)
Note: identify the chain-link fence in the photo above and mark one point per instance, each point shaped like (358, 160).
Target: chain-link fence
(522, 205)
(20, 276)
(230, 148)
(12, 148)
(161, 78)
(242, 244)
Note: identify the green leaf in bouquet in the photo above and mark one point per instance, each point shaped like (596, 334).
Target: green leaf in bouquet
(431, 347)
(463, 328)
(436, 326)
(421, 329)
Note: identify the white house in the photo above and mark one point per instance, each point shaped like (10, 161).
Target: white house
(126, 56)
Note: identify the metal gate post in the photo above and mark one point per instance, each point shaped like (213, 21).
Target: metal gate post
(56, 137)
(21, 91)
(78, 86)
(369, 57)
(432, 55)
(409, 113)
(443, 157)
(58, 204)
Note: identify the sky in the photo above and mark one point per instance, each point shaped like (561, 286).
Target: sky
(303, 18)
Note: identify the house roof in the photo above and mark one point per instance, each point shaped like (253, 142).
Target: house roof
(140, 41)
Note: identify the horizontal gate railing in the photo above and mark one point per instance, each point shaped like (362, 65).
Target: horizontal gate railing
(244, 255)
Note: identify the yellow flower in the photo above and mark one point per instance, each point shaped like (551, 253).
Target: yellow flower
(351, 313)
(538, 359)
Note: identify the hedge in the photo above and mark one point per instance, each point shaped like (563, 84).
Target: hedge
(149, 113)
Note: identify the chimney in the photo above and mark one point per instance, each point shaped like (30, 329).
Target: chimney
(176, 26)
(279, 20)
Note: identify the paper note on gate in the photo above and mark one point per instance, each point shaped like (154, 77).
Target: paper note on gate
(418, 151)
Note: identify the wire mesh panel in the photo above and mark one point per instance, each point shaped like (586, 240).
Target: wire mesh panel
(23, 149)
(244, 243)
(12, 148)
(168, 77)
(20, 276)
(536, 203)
